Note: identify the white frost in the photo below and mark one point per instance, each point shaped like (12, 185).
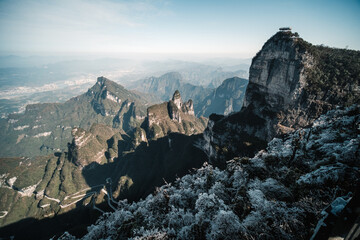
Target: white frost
(12, 120)
(112, 97)
(11, 181)
(44, 134)
(4, 213)
(21, 127)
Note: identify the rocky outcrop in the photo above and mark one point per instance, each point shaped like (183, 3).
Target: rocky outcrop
(138, 137)
(177, 99)
(176, 106)
(277, 80)
(173, 116)
(188, 108)
(281, 95)
(89, 146)
(174, 112)
(290, 85)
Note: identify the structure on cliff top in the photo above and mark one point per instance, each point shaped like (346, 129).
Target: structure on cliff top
(285, 29)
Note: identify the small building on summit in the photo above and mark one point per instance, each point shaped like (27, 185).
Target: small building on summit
(285, 29)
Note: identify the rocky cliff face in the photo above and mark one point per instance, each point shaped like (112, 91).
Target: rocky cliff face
(281, 96)
(277, 80)
(90, 146)
(290, 85)
(173, 116)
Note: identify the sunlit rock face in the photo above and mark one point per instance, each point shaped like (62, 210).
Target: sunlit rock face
(276, 83)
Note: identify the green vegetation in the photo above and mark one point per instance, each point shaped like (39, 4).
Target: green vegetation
(47, 174)
(337, 71)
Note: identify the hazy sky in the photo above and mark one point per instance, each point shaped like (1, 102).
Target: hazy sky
(172, 26)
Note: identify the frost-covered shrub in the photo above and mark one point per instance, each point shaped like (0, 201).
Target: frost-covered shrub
(207, 205)
(225, 225)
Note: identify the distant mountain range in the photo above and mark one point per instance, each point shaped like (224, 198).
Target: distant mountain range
(208, 74)
(165, 85)
(40, 79)
(224, 99)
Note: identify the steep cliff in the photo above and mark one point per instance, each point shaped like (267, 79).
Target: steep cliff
(90, 146)
(173, 116)
(289, 86)
(293, 82)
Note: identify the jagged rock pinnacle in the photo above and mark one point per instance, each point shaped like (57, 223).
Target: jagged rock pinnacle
(177, 99)
(188, 108)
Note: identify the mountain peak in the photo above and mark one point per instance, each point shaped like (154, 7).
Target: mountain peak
(285, 34)
(285, 41)
(176, 95)
(177, 99)
(101, 80)
(234, 80)
(105, 82)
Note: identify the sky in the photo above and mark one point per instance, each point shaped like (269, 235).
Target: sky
(223, 27)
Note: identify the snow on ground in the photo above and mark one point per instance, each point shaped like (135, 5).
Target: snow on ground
(4, 213)
(79, 141)
(112, 97)
(21, 127)
(11, 181)
(44, 134)
(28, 191)
(11, 121)
(53, 199)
